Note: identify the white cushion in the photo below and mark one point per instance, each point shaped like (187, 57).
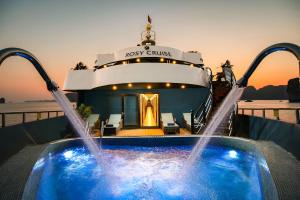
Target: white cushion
(187, 117)
(92, 119)
(167, 117)
(115, 119)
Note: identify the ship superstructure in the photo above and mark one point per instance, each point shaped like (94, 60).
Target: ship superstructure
(127, 81)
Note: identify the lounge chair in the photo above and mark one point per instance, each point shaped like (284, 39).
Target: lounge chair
(113, 125)
(187, 120)
(168, 123)
(91, 120)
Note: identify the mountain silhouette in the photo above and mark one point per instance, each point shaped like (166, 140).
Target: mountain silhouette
(269, 92)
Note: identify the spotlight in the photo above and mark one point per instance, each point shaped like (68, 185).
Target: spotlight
(129, 85)
(162, 59)
(114, 87)
(182, 86)
(138, 60)
(149, 87)
(168, 84)
(174, 61)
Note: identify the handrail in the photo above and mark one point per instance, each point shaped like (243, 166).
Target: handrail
(20, 112)
(242, 108)
(208, 95)
(203, 104)
(23, 113)
(199, 116)
(297, 110)
(203, 111)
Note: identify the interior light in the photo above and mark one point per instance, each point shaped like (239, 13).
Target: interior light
(174, 61)
(149, 87)
(192, 65)
(182, 86)
(114, 87)
(138, 60)
(124, 62)
(104, 65)
(168, 84)
(162, 59)
(129, 85)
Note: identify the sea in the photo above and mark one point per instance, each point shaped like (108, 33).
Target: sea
(12, 119)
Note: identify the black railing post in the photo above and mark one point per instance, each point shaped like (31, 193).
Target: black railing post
(204, 115)
(3, 120)
(38, 116)
(23, 117)
(192, 122)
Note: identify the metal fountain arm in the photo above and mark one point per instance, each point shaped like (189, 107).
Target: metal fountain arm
(5, 53)
(292, 48)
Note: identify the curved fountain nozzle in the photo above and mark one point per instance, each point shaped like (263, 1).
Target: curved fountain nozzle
(5, 53)
(242, 82)
(51, 85)
(292, 48)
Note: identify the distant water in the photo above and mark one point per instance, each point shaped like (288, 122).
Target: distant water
(288, 116)
(285, 115)
(28, 107)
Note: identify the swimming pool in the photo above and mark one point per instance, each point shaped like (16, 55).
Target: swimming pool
(151, 168)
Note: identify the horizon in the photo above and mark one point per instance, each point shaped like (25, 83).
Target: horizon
(61, 35)
(70, 92)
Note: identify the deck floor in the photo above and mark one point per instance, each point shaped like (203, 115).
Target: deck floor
(148, 132)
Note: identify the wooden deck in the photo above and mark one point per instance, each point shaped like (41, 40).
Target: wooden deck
(147, 132)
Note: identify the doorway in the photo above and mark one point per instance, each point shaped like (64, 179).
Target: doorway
(130, 111)
(149, 110)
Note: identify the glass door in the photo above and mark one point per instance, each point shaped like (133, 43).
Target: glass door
(130, 111)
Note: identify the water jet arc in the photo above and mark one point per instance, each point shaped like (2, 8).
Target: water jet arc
(7, 52)
(292, 48)
(74, 118)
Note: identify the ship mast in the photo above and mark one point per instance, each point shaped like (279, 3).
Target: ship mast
(148, 36)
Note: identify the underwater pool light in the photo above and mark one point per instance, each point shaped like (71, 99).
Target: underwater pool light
(68, 154)
(233, 154)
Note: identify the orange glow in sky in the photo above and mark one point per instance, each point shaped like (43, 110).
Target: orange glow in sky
(62, 34)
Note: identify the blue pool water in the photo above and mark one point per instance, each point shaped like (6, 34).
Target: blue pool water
(149, 173)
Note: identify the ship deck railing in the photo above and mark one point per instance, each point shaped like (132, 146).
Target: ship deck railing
(275, 111)
(24, 116)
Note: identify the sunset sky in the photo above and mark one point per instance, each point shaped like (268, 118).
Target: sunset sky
(62, 33)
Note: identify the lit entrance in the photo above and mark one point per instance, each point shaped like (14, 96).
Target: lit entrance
(149, 110)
